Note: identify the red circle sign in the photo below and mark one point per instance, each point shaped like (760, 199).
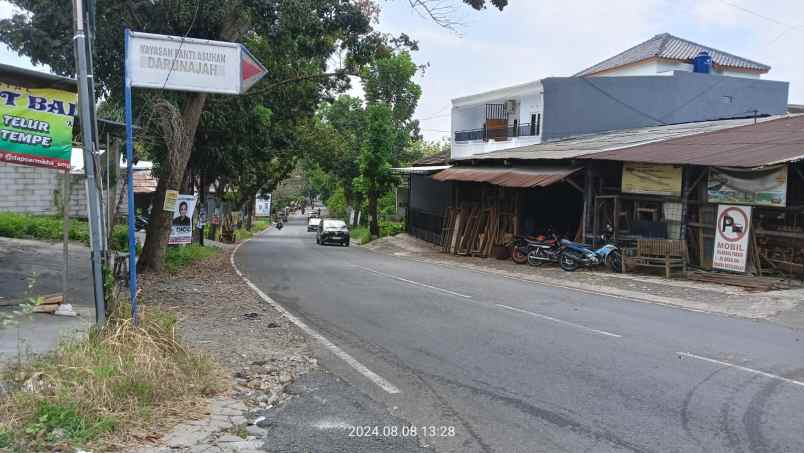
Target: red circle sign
(732, 224)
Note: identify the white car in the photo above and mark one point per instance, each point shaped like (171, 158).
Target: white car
(313, 224)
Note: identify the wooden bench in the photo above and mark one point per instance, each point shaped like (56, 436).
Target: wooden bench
(662, 253)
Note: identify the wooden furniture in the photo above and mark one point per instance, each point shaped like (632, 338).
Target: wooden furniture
(662, 253)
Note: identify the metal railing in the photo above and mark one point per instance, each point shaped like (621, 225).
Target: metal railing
(503, 133)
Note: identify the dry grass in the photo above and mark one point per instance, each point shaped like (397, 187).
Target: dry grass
(107, 389)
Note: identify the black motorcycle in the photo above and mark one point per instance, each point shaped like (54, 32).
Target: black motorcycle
(523, 247)
(544, 251)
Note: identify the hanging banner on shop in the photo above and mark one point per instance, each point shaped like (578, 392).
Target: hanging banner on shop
(652, 179)
(263, 206)
(181, 227)
(37, 126)
(731, 237)
(767, 187)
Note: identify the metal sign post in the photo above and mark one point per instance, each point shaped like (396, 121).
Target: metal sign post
(86, 105)
(132, 231)
(184, 64)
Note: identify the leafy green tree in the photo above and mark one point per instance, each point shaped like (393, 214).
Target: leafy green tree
(376, 157)
(294, 39)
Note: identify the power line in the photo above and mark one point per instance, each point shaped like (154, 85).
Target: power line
(761, 16)
(187, 33)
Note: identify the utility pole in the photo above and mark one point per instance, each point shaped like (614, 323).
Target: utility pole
(86, 102)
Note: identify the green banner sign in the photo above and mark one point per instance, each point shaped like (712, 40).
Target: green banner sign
(37, 126)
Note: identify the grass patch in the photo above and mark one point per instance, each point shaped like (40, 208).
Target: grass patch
(93, 392)
(180, 256)
(260, 225)
(360, 234)
(27, 226)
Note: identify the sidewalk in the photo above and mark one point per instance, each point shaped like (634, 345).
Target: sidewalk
(784, 307)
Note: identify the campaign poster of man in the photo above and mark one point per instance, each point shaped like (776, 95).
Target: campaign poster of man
(181, 228)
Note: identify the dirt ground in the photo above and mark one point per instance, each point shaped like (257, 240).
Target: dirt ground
(219, 314)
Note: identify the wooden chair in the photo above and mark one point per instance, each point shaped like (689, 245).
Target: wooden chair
(662, 253)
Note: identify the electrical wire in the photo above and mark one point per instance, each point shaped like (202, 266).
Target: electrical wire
(187, 33)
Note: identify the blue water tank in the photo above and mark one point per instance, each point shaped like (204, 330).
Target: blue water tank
(702, 63)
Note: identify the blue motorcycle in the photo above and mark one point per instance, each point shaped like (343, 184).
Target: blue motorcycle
(574, 255)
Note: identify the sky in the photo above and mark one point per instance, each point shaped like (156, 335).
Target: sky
(533, 39)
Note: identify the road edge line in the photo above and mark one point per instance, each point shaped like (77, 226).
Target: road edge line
(340, 353)
(741, 368)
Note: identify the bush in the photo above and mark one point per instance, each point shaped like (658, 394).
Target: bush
(391, 228)
(361, 234)
(180, 256)
(95, 390)
(27, 226)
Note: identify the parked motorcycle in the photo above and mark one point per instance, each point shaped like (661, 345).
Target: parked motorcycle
(279, 226)
(523, 247)
(574, 255)
(544, 251)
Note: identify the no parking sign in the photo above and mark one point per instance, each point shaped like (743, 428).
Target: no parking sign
(731, 237)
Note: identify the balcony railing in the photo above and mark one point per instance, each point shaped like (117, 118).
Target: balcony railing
(498, 134)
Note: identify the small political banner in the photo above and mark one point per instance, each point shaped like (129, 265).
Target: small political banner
(181, 227)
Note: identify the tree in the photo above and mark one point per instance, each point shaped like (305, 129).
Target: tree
(376, 157)
(298, 36)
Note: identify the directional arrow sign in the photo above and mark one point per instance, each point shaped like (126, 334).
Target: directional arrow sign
(188, 64)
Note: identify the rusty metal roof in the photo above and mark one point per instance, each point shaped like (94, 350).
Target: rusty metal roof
(766, 143)
(582, 145)
(507, 176)
(671, 47)
(144, 181)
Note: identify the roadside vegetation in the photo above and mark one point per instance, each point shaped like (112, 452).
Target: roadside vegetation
(257, 226)
(49, 228)
(97, 391)
(178, 257)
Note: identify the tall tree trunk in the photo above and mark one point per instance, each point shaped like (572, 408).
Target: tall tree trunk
(179, 132)
(374, 224)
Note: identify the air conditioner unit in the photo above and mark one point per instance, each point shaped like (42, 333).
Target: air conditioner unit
(510, 106)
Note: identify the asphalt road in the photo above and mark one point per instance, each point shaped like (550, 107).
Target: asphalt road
(514, 366)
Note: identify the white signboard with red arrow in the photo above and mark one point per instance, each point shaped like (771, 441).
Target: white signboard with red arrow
(732, 231)
(188, 64)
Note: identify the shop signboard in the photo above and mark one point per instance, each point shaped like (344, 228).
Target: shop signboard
(766, 187)
(263, 205)
(37, 126)
(652, 179)
(181, 227)
(732, 231)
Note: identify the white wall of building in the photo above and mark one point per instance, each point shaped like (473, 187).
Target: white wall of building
(35, 190)
(469, 113)
(665, 67)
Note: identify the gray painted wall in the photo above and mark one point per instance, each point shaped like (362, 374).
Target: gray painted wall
(428, 195)
(575, 105)
(34, 190)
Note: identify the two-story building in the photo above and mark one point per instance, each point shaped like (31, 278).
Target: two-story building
(654, 83)
(519, 150)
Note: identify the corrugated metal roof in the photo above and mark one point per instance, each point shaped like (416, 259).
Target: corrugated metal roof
(507, 176)
(436, 159)
(765, 143)
(428, 170)
(672, 47)
(144, 181)
(592, 143)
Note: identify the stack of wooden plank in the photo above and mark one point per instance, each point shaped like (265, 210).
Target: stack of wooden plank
(470, 230)
(749, 282)
(49, 304)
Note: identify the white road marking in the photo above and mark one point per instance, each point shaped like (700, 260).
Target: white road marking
(423, 285)
(560, 321)
(743, 368)
(340, 353)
